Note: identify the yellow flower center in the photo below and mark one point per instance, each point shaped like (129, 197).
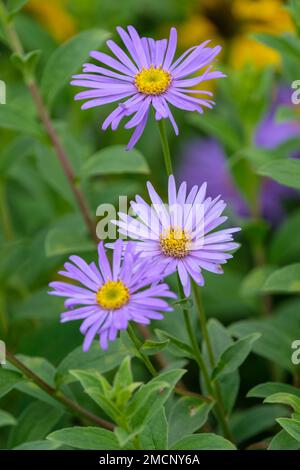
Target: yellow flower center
(112, 295)
(175, 242)
(152, 81)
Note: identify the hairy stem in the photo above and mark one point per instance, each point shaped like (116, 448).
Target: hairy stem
(62, 157)
(74, 407)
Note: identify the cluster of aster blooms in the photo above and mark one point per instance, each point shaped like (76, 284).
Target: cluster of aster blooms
(164, 238)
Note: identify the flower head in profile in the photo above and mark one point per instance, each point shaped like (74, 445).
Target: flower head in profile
(181, 236)
(146, 75)
(110, 297)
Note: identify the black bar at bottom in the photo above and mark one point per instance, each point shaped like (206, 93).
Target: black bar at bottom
(139, 459)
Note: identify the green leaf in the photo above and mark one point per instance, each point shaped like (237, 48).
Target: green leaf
(123, 377)
(105, 403)
(52, 173)
(285, 279)
(97, 387)
(38, 445)
(269, 388)
(13, 153)
(176, 346)
(67, 59)
(87, 438)
(115, 160)
(26, 63)
(34, 307)
(145, 402)
(187, 415)
(251, 285)
(152, 347)
(11, 117)
(14, 6)
(291, 426)
(40, 366)
(257, 156)
(206, 441)
(92, 379)
(36, 421)
(246, 179)
(294, 9)
(275, 342)
(286, 399)
(125, 437)
(217, 126)
(233, 357)
(61, 241)
(6, 419)
(155, 434)
(284, 441)
(284, 245)
(8, 380)
(253, 421)
(46, 371)
(284, 171)
(151, 396)
(286, 45)
(95, 358)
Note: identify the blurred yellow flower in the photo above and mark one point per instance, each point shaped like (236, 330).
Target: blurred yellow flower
(245, 50)
(53, 15)
(268, 16)
(231, 22)
(194, 30)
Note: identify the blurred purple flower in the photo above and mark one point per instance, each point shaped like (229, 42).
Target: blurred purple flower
(111, 298)
(205, 160)
(146, 75)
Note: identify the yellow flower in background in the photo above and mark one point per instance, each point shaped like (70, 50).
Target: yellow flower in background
(232, 22)
(264, 16)
(245, 50)
(269, 16)
(195, 30)
(54, 16)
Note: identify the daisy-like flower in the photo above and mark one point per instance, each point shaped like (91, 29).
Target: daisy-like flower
(147, 75)
(111, 297)
(181, 236)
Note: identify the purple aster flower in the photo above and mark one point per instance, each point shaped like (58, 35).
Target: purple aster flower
(146, 75)
(111, 297)
(181, 236)
(197, 166)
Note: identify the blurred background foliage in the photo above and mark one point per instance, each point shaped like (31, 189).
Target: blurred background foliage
(247, 149)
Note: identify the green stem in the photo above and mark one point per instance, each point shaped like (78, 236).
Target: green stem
(213, 391)
(57, 394)
(165, 146)
(137, 344)
(203, 325)
(211, 358)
